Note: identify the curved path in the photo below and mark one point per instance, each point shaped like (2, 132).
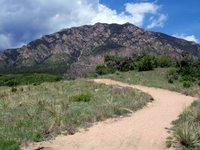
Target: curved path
(145, 129)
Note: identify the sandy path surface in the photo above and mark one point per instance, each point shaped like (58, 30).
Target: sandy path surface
(145, 129)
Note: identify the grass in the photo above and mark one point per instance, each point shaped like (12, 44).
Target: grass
(155, 78)
(9, 145)
(83, 97)
(185, 134)
(28, 78)
(36, 113)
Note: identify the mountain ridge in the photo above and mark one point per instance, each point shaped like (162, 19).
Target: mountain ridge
(78, 50)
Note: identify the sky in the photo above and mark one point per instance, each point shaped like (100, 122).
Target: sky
(22, 21)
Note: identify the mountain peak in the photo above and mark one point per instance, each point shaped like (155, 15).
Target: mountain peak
(78, 50)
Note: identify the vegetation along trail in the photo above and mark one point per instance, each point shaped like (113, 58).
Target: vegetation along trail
(145, 129)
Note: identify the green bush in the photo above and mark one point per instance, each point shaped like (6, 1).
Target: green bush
(120, 63)
(9, 145)
(165, 61)
(24, 79)
(186, 84)
(173, 74)
(36, 136)
(146, 63)
(103, 69)
(83, 97)
(186, 69)
(170, 80)
(187, 134)
(186, 78)
(11, 83)
(186, 130)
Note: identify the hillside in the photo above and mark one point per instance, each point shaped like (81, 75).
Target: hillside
(78, 50)
(145, 129)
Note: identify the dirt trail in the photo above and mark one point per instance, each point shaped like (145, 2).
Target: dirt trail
(145, 129)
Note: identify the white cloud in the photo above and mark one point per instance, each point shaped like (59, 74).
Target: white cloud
(25, 20)
(5, 41)
(138, 11)
(157, 22)
(134, 13)
(187, 37)
(142, 8)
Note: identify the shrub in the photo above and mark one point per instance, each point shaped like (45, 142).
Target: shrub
(170, 80)
(120, 63)
(186, 130)
(165, 61)
(187, 134)
(24, 79)
(187, 69)
(186, 78)
(142, 63)
(11, 83)
(109, 58)
(9, 145)
(13, 89)
(173, 74)
(103, 69)
(83, 97)
(37, 137)
(186, 84)
(146, 63)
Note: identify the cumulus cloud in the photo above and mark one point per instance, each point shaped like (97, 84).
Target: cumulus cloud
(187, 37)
(24, 20)
(157, 22)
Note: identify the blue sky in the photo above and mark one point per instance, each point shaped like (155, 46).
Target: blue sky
(22, 21)
(183, 16)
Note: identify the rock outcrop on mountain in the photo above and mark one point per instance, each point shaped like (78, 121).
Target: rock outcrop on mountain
(79, 49)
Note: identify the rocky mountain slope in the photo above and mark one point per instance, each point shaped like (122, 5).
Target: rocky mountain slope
(78, 50)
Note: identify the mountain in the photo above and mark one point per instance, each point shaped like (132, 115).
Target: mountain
(79, 49)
